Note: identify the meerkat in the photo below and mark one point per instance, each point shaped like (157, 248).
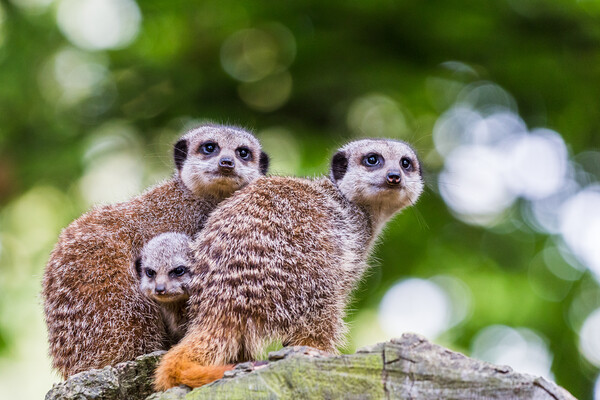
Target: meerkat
(94, 311)
(281, 257)
(165, 275)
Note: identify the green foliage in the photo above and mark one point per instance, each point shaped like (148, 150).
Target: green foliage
(316, 75)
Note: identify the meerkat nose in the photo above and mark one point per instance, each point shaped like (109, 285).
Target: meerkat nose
(160, 289)
(226, 164)
(393, 178)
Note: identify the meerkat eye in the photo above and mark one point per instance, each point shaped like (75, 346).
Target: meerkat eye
(178, 271)
(150, 273)
(244, 153)
(208, 147)
(371, 160)
(406, 163)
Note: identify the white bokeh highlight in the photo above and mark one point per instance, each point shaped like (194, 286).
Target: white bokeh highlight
(415, 305)
(78, 74)
(99, 24)
(114, 167)
(484, 94)
(589, 338)
(537, 164)
(472, 184)
(542, 214)
(522, 349)
(580, 226)
(491, 161)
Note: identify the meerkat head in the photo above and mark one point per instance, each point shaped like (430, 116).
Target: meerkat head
(164, 267)
(218, 160)
(382, 175)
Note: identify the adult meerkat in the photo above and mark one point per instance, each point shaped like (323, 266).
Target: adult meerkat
(165, 275)
(280, 258)
(94, 310)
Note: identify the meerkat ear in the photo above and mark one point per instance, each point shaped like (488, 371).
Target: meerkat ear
(180, 153)
(339, 165)
(263, 162)
(138, 267)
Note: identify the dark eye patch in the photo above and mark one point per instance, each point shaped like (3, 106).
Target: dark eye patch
(339, 165)
(180, 151)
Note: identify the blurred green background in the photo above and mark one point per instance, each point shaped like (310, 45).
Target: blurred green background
(500, 259)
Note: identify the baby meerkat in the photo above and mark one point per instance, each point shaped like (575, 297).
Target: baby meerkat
(164, 271)
(281, 257)
(94, 310)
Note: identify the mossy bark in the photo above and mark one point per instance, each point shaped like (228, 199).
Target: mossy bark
(128, 380)
(405, 368)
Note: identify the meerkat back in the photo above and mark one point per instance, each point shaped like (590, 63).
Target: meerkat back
(94, 311)
(281, 257)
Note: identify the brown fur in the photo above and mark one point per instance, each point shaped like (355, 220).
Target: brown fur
(294, 250)
(94, 310)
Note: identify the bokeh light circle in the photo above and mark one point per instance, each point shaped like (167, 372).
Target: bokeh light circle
(589, 338)
(415, 305)
(536, 164)
(99, 24)
(522, 349)
(472, 183)
(580, 226)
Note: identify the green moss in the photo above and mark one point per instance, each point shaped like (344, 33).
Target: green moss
(301, 377)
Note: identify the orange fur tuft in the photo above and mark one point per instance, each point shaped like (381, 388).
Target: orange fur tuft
(175, 371)
(194, 375)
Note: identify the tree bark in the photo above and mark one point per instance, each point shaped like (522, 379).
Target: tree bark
(406, 368)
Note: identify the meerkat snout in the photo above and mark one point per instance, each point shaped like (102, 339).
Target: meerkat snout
(160, 289)
(219, 159)
(393, 178)
(226, 165)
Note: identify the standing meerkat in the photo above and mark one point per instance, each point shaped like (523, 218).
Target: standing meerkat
(164, 272)
(280, 258)
(94, 310)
